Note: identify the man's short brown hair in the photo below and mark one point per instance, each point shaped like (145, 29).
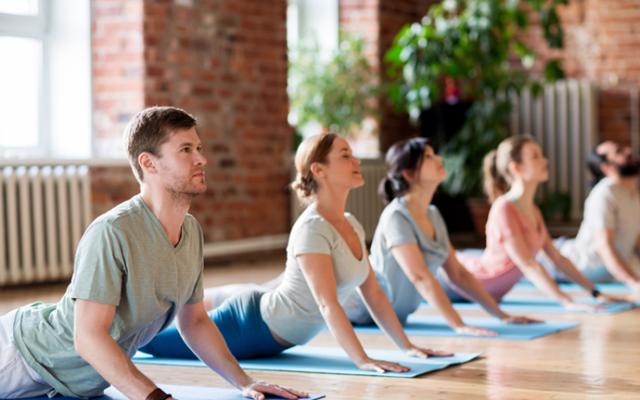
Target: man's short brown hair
(149, 129)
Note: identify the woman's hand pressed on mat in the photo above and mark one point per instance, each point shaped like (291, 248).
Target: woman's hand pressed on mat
(381, 366)
(258, 390)
(611, 298)
(423, 352)
(520, 319)
(474, 331)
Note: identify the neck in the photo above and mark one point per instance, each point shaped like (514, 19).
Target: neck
(523, 191)
(420, 196)
(169, 208)
(331, 203)
(630, 183)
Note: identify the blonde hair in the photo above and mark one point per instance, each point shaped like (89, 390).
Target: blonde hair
(311, 150)
(496, 174)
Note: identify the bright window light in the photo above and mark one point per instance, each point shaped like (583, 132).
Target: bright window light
(19, 7)
(20, 73)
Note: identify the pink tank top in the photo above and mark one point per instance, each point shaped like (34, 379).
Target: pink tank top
(505, 222)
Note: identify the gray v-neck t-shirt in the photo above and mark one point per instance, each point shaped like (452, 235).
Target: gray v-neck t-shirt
(396, 227)
(124, 259)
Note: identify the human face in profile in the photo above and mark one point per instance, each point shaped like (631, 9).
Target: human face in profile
(180, 164)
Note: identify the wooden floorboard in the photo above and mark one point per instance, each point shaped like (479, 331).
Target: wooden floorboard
(600, 359)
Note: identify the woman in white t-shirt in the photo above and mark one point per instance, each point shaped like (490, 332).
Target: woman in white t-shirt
(326, 261)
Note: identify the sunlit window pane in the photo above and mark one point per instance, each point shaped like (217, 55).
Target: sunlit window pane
(19, 94)
(19, 7)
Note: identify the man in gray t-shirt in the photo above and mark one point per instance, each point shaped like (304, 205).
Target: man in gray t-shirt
(136, 268)
(608, 242)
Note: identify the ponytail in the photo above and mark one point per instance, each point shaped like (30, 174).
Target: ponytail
(494, 183)
(392, 186)
(406, 155)
(495, 166)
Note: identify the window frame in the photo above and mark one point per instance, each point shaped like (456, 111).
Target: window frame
(32, 27)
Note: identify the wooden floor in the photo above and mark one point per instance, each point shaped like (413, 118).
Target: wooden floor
(598, 360)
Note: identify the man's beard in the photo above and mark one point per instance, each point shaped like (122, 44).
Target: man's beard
(629, 169)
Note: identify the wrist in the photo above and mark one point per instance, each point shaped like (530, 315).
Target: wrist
(158, 394)
(565, 300)
(243, 381)
(361, 359)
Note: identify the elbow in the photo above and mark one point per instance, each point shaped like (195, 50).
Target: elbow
(531, 267)
(327, 306)
(80, 344)
(422, 280)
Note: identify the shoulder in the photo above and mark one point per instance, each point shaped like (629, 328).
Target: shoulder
(356, 224)
(128, 213)
(502, 205)
(434, 212)
(192, 224)
(603, 189)
(311, 221)
(395, 212)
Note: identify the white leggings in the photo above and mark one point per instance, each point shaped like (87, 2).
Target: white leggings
(17, 379)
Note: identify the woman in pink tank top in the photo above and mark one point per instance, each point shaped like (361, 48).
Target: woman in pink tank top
(515, 229)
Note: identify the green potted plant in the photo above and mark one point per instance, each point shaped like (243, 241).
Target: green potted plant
(334, 91)
(474, 44)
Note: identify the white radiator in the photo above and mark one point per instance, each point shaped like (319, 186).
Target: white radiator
(364, 202)
(43, 212)
(563, 119)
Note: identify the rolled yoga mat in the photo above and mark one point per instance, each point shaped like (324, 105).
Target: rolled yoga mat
(327, 360)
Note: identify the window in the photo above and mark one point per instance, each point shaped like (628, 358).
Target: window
(313, 20)
(45, 102)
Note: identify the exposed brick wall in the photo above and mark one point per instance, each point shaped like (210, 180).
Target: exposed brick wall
(111, 185)
(379, 21)
(117, 71)
(224, 61)
(602, 43)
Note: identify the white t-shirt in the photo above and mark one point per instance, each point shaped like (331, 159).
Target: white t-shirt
(290, 311)
(609, 206)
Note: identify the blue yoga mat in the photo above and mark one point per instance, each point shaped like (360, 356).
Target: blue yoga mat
(178, 392)
(422, 325)
(327, 360)
(524, 304)
(609, 287)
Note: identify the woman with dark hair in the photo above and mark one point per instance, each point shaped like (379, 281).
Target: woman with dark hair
(516, 231)
(411, 243)
(326, 261)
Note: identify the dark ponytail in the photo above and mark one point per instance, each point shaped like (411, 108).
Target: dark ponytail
(406, 155)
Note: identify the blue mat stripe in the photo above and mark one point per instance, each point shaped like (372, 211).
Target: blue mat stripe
(421, 325)
(328, 360)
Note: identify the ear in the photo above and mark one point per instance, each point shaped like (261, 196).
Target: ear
(147, 163)
(514, 168)
(607, 169)
(317, 170)
(408, 175)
